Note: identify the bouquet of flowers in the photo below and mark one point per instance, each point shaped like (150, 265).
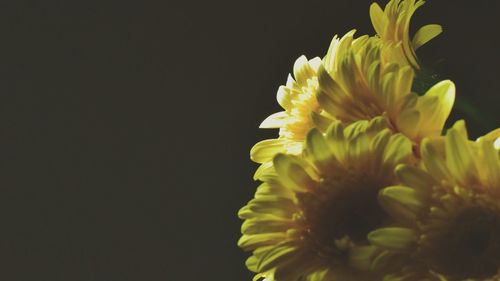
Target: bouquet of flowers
(364, 182)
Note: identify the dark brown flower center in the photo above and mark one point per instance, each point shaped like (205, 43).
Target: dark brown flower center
(470, 247)
(341, 209)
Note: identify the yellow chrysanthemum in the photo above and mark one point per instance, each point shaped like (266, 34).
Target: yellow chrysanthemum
(310, 217)
(393, 25)
(448, 212)
(363, 60)
(299, 103)
(362, 78)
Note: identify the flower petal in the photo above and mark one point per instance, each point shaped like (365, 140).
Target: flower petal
(378, 18)
(265, 171)
(415, 177)
(265, 225)
(319, 150)
(435, 106)
(265, 150)
(253, 241)
(490, 168)
(302, 71)
(276, 120)
(280, 253)
(425, 34)
(402, 201)
(459, 158)
(393, 238)
(292, 173)
(432, 151)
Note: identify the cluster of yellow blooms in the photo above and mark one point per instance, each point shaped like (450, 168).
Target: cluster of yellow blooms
(361, 184)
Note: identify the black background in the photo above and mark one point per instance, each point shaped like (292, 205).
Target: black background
(125, 127)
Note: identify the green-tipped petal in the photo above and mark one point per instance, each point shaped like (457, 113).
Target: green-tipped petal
(265, 171)
(264, 225)
(265, 150)
(272, 188)
(278, 254)
(250, 242)
(414, 177)
(321, 122)
(292, 173)
(319, 150)
(402, 201)
(398, 150)
(251, 263)
(393, 238)
(273, 205)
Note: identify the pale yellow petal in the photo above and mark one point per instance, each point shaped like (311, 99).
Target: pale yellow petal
(276, 120)
(435, 106)
(315, 63)
(284, 96)
(425, 34)
(302, 70)
(339, 50)
(329, 59)
(378, 18)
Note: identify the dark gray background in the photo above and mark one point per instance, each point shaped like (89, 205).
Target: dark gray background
(125, 127)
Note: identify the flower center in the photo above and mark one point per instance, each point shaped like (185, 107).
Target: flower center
(470, 247)
(341, 213)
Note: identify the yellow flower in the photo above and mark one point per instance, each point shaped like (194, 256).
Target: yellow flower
(448, 212)
(362, 78)
(359, 80)
(310, 219)
(301, 108)
(393, 25)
